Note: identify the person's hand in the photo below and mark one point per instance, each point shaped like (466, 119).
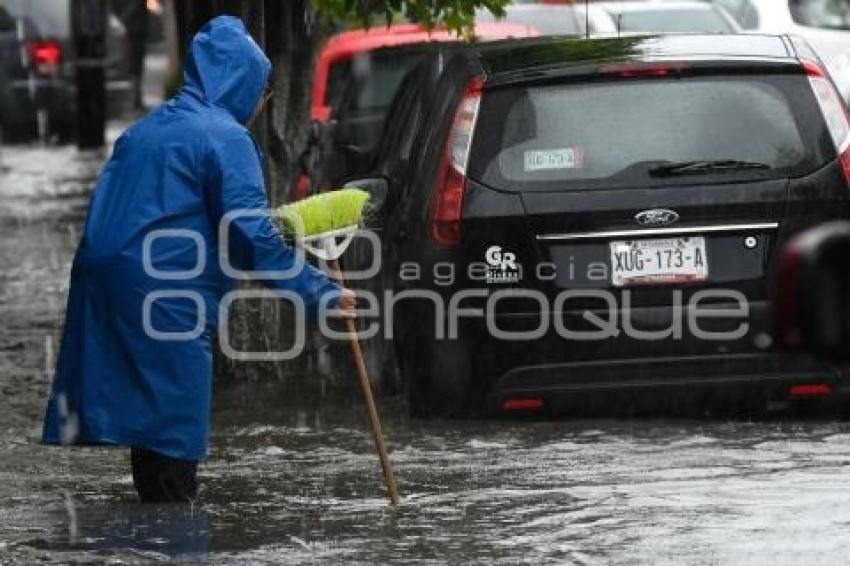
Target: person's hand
(346, 304)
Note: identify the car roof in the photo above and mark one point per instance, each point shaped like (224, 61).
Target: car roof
(551, 56)
(531, 8)
(547, 19)
(624, 7)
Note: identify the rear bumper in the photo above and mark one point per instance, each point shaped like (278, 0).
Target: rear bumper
(592, 376)
(752, 380)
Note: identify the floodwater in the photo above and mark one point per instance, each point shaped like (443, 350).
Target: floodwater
(292, 477)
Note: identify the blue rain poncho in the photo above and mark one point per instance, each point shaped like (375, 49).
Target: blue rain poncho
(182, 168)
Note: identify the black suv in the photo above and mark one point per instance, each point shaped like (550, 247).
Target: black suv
(570, 223)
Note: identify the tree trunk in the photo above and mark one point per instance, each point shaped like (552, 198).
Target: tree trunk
(288, 33)
(289, 36)
(89, 31)
(173, 47)
(292, 48)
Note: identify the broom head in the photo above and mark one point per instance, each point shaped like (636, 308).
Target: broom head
(321, 214)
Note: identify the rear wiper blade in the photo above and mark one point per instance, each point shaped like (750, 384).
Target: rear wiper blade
(704, 167)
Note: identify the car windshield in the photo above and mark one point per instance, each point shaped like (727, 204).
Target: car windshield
(831, 14)
(673, 21)
(617, 133)
(554, 20)
(368, 81)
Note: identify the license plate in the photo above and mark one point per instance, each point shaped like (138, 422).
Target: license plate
(652, 262)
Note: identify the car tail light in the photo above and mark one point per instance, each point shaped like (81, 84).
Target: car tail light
(447, 200)
(523, 405)
(45, 56)
(815, 390)
(639, 70)
(834, 113)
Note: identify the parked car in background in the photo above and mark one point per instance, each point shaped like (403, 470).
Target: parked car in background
(668, 17)
(610, 18)
(357, 75)
(574, 19)
(825, 24)
(37, 68)
(839, 69)
(583, 199)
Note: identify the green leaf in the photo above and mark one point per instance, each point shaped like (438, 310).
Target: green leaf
(455, 15)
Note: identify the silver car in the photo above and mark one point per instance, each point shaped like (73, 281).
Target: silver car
(825, 24)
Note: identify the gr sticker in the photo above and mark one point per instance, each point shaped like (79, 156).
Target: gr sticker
(553, 159)
(502, 266)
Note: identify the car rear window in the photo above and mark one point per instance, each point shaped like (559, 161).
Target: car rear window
(829, 14)
(614, 132)
(673, 21)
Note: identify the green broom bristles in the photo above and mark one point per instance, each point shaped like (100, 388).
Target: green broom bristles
(322, 213)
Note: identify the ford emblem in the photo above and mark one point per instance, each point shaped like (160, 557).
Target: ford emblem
(657, 217)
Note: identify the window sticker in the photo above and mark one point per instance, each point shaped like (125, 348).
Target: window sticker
(553, 159)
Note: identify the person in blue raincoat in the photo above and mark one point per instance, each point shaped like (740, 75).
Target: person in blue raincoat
(135, 366)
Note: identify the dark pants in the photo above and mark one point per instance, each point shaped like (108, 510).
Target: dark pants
(160, 479)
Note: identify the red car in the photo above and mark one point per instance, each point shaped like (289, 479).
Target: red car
(341, 50)
(357, 76)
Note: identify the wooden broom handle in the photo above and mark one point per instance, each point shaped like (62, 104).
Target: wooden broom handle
(366, 387)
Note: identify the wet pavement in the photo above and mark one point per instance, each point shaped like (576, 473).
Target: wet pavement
(292, 477)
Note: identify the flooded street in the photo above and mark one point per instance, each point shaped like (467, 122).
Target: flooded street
(293, 478)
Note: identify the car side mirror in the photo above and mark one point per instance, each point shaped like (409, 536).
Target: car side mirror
(377, 187)
(811, 293)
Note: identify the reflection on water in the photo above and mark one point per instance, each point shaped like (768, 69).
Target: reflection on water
(155, 531)
(293, 478)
